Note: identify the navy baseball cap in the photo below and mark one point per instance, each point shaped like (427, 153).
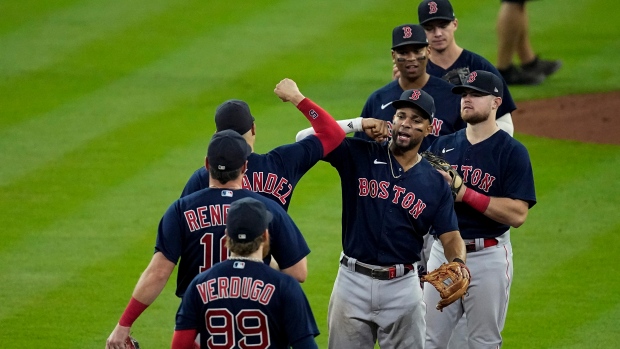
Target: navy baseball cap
(429, 10)
(482, 81)
(419, 99)
(228, 151)
(247, 219)
(235, 115)
(408, 34)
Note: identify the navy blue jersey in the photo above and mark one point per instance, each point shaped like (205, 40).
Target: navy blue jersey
(245, 304)
(447, 105)
(472, 61)
(193, 229)
(498, 166)
(273, 175)
(384, 218)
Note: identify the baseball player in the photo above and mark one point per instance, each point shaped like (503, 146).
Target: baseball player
(192, 229)
(497, 193)
(390, 199)
(513, 37)
(410, 53)
(451, 62)
(242, 302)
(275, 174)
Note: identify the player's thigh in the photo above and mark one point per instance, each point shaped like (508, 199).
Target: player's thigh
(401, 312)
(486, 301)
(349, 315)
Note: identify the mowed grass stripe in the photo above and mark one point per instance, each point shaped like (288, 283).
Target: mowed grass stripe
(600, 333)
(52, 38)
(104, 60)
(105, 161)
(568, 295)
(184, 74)
(17, 13)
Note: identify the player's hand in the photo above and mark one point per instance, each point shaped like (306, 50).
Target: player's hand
(376, 129)
(446, 176)
(395, 72)
(288, 91)
(118, 337)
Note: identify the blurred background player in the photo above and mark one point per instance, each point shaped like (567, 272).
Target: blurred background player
(451, 62)
(390, 199)
(276, 173)
(192, 229)
(513, 38)
(242, 302)
(410, 53)
(497, 192)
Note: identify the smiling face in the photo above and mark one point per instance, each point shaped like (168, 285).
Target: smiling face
(440, 33)
(477, 107)
(410, 126)
(410, 60)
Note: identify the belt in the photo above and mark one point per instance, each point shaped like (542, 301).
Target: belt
(385, 273)
(474, 245)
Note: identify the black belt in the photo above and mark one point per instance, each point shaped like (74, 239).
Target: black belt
(386, 273)
(471, 247)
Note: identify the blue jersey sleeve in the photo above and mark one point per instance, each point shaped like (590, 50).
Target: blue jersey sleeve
(199, 180)
(170, 234)
(519, 183)
(288, 245)
(297, 158)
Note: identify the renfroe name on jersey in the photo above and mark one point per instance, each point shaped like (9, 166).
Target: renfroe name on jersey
(206, 216)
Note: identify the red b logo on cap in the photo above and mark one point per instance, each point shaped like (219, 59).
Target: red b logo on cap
(432, 7)
(415, 95)
(407, 32)
(472, 77)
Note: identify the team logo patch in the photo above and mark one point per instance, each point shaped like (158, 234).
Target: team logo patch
(239, 265)
(472, 77)
(227, 193)
(314, 114)
(432, 7)
(415, 95)
(407, 32)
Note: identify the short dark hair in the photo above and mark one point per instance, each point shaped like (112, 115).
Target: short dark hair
(244, 248)
(224, 176)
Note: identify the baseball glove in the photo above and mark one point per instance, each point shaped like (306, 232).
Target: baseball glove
(132, 343)
(457, 182)
(457, 76)
(449, 281)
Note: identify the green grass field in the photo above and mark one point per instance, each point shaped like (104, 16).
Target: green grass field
(106, 108)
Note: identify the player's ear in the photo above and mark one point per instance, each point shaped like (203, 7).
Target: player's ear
(456, 23)
(393, 57)
(207, 163)
(497, 101)
(428, 129)
(253, 129)
(244, 168)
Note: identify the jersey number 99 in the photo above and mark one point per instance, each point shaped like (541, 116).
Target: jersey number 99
(251, 323)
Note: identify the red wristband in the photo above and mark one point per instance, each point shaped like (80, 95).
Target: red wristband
(478, 201)
(132, 312)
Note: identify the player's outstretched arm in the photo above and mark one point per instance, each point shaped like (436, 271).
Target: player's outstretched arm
(375, 128)
(326, 128)
(149, 286)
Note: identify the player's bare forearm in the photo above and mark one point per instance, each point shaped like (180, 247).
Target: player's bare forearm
(153, 279)
(507, 211)
(453, 246)
(298, 271)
